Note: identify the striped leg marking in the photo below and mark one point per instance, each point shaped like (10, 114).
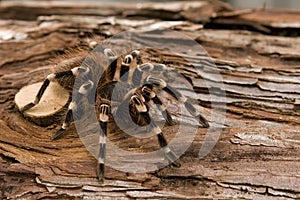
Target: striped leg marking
(189, 106)
(137, 56)
(124, 71)
(111, 69)
(128, 72)
(103, 117)
(50, 78)
(170, 155)
(162, 85)
(83, 92)
(138, 102)
(137, 77)
(67, 121)
(151, 95)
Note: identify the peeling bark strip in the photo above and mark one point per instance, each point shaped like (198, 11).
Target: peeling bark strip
(257, 154)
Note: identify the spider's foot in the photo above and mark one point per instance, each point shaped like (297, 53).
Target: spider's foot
(168, 118)
(176, 164)
(100, 172)
(27, 107)
(170, 123)
(58, 134)
(189, 106)
(204, 123)
(172, 157)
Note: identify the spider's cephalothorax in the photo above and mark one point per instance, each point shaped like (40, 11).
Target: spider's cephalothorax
(141, 90)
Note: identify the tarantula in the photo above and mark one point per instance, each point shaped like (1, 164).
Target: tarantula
(140, 92)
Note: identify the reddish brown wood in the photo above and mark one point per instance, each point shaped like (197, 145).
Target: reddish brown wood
(257, 154)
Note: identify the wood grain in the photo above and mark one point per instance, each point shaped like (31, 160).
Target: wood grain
(257, 153)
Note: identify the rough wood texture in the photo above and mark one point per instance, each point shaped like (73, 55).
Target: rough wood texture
(257, 154)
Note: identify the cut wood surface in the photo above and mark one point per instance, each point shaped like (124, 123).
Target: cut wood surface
(52, 102)
(256, 52)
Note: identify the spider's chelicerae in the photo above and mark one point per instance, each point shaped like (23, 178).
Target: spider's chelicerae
(142, 91)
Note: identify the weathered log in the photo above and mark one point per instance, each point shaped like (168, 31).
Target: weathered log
(257, 153)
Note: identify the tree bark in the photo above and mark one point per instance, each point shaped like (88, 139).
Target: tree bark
(255, 51)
